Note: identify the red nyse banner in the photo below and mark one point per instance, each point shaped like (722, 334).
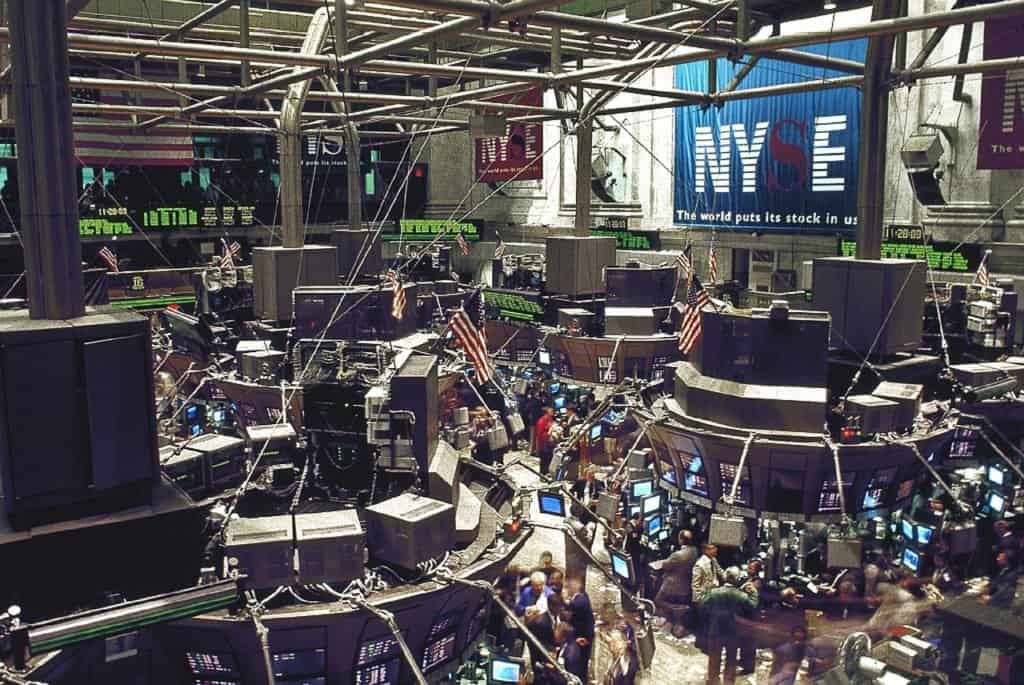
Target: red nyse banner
(1002, 99)
(518, 154)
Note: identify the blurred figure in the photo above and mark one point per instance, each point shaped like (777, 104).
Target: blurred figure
(624, 664)
(546, 563)
(556, 581)
(719, 608)
(533, 593)
(1003, 585)
(581, 616)
(787, 657)
(588, 490)
(570, 654)
(542, 447)
(676, 590)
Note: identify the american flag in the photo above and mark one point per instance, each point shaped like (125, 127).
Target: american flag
(482, 317)
(684, 262)
(463, 245)
(398, 299)
(499, 249)
(108, 256)
(227, 260)
(691, 329)
(472, 341)
(982, 277)
(110, 139)
(712, 264)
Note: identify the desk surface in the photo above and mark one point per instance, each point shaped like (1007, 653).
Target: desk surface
(968, 608)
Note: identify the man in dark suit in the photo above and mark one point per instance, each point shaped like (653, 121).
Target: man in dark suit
(544, 625)
(624, 664)
(581, 617)
(570, 654)
(589, 488)
(676, 590)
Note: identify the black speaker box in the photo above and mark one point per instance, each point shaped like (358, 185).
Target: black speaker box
(640, 286)
(414, 389)
(77, 427)
(279, 270)
(351, 243)
(575, 265)
(360, 312)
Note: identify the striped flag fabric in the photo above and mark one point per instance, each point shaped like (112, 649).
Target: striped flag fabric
(472, 341)
(398, 294)
(982, 275)
(691, 328)
(685, 262)
(712, 263)
(482, 318)
(108, 256)
(463, 245)
(227, 260)
(499, 249)
(104, 138)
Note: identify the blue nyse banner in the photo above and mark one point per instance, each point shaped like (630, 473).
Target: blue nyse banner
(778, 163)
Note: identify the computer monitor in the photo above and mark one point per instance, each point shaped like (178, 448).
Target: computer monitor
(193, 413)
(911, 560)
(195, 430)
(653, 525)
(924, 534)
(596, 431)
(996, 474)
(559, 402)
(664, 534)
(544, 358)
(639, 489)
(651, 504)
(996, 502)
(555, 388)
(504, 670)
(907, 527)
(622, 565)
(551, 503)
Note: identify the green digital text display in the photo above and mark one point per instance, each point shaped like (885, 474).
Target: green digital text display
(103, 226)
(628, 240)
(940, 256)
(514, 305)
(428, 229)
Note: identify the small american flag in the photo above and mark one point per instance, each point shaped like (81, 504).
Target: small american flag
(463, 245)
(398, 298)
(499, 249)
(227, 260)
(684, 262)
(712, 263)
(691, 328)
(108, 256)
(482, 318)
(472, 341)
(982, 276)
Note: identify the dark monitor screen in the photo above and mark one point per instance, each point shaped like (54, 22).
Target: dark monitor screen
(551, 504)
(211, 663)
(384, 673)
(653, 525)
(505, 670)
(438, 652)
(640, 287)
(911, 559)
(641, 488)
(306, 662)
(622, 565)
(596, 431)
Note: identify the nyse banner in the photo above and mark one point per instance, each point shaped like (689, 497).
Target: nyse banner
(1001, 137)
(778, 163)
(518, 155)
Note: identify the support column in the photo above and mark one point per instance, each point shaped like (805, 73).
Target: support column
(46, 168)
(584, 151)
(243, 38)
(874, 126)
(355, 177)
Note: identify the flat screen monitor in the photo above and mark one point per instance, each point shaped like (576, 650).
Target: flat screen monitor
(559, 403)
(924, 534)
(651, 504)
(551, 504)
(664, 534)
(639, 489)
(653, 525)
(544, 358)
(996, 475)
(384, 673)
(193, 413)
(907, 528)
(195, 430)
(596, 431)
(504, 670)
(996, 502)
(911, 560)
(211, 663)
(555, 388)
(622, 565)
(439, 652)
(308, 662)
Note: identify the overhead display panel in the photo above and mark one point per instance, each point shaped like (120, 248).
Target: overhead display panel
(1001, 129)
(516, 156)
(784, 163)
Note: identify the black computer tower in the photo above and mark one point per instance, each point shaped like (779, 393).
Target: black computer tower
(414, 389)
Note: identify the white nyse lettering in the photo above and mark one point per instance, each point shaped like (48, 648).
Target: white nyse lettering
(824, 154)
(1013, 95)
(717, 161)
(750, 152)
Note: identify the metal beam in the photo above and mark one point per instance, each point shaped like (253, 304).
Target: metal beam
(204, 16)
(243, 38)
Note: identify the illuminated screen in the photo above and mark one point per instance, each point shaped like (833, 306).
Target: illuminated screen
(219, 416)
(559, 403)
(374, 650)
(641, 488)
(206, 663)
(654, 525)
(551, 504)
(996, 475)
(307, 680)
(438, 652)
(668, 473)
(195, 430)
(996, 502)
(544, 357)
(872, 499)
(555, 388)
(924, 534)
(651, 504)
(306, 662)
(908, 529)
(911, 559)
(385, 673)
(595, 432)
(621, 566)
(213, 681)
(503, 671)
(192, 413)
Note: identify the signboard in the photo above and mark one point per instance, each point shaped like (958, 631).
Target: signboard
(111, 221)
(911, 242)
(519, 154)
(412, 230)
(1001, 128)
(515, 304)
(626, 239)
(783, 163)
